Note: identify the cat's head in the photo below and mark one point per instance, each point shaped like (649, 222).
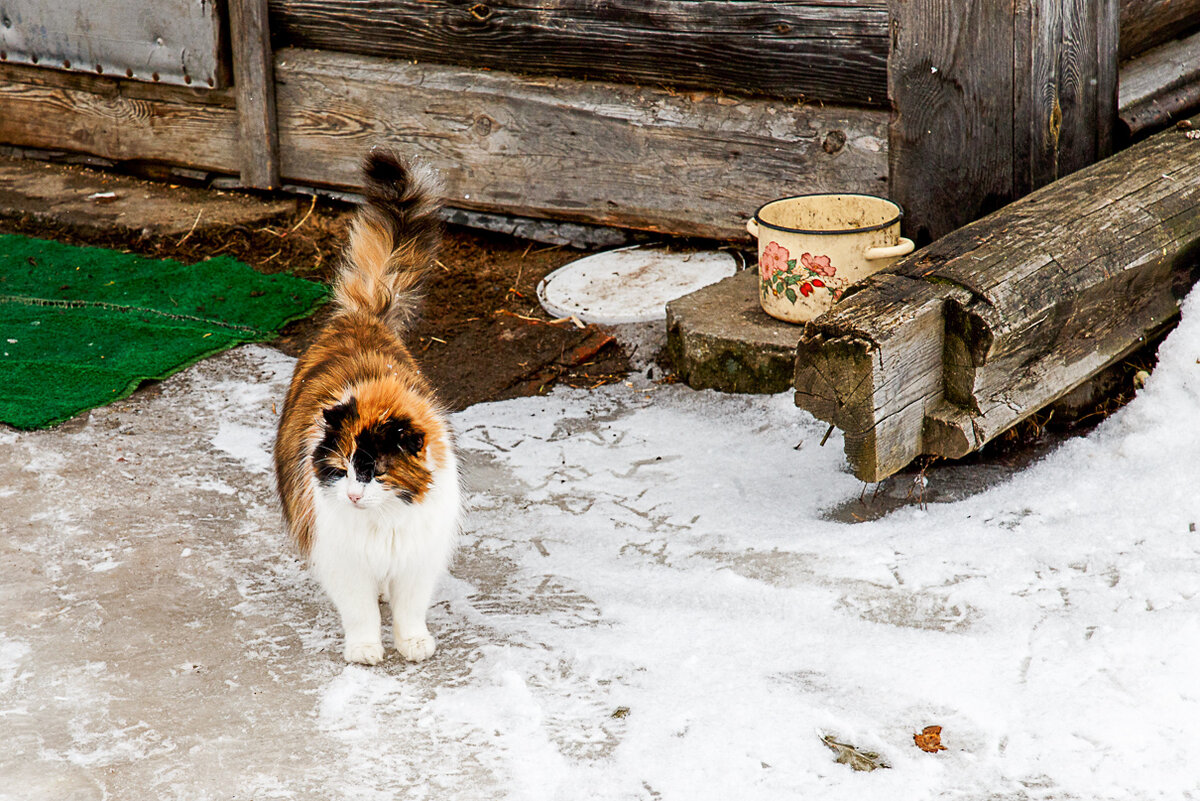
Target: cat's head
(370, 455)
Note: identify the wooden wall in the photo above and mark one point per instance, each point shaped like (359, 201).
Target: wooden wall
(661, 115)
(834, 51)
(651, 159)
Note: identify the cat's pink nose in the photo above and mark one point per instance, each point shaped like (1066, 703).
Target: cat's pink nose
(354, 497)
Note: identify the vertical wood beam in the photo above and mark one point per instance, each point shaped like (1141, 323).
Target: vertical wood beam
(254, 83)
(992, 100)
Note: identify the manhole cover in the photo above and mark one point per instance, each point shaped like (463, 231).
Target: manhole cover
(630, 285)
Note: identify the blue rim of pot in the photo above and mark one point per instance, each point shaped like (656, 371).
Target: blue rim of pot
(774, 227)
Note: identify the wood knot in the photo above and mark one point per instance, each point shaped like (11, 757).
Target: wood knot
(480, 11)
(483, 125)
(834, 142)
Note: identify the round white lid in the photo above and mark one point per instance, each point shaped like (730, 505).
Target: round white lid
(630, 285)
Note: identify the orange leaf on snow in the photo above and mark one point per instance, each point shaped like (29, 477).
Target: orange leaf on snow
(930, 739)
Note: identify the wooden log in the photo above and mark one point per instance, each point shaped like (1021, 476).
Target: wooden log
(118, 120)
(1161, 86)
(651, 159)
(1148, 23)
(961, 340)
(253, 71)
(994, 99)
(829, 50)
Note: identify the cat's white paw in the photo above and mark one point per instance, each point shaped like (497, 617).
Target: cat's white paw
(416, 649)
(364, 652)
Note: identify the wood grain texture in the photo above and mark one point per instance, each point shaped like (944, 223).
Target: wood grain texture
(1032, 301)
(993, 100)
(652, 159)
(829, 50)
(1149, 23)
(950, 80)
(118, 120)
(254, 78)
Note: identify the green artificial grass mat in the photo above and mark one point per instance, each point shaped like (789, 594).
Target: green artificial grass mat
(82, 326)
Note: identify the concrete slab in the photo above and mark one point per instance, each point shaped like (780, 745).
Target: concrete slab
(77, 197)
(720, 338)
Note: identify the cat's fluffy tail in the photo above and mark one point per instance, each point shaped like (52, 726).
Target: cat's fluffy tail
(393, 241)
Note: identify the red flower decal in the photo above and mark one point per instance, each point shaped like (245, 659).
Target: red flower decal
(818, 282)
(806, 289)
(774, 259)
(818, 264)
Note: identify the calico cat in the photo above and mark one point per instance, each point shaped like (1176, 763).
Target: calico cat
(364, 462)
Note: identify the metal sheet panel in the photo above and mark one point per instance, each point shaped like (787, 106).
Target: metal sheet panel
(170, 41)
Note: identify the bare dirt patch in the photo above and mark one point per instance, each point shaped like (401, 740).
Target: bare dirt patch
(483, 335)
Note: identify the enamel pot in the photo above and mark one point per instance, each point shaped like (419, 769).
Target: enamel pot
(812, 247)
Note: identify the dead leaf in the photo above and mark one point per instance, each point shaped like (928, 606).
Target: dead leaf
(855, 758)
(930, 739)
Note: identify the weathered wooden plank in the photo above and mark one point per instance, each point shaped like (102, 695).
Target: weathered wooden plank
(1161, 85)
(608, 154)
(1071, 55)
(118, 120)
(950, 146)
(1032, 300)
(253, 70)
(829, 50)
(994, 99)
(1149, 23)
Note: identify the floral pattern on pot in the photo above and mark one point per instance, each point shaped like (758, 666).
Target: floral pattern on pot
(793, 278)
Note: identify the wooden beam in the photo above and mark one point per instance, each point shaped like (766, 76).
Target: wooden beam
(1161, 85)
(961, 340)
(834, 51)
(255, 83)
(653, 159)
(992, 100)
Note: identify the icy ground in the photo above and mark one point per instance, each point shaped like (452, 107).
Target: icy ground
(650, 602)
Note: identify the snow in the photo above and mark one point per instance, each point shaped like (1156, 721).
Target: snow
(654, 600)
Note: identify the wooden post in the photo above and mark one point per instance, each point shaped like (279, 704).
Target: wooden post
(992, 100)
(254, 81)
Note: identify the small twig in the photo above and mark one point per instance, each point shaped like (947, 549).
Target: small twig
(439, 264)
(190, 230)
(571, 319)
(507, 313)
(312, 206)
(825, 438)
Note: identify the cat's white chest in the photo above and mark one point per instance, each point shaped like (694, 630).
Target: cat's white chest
(389, 538)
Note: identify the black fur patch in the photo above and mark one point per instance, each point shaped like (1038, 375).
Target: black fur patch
(325, 455)
(390, 439)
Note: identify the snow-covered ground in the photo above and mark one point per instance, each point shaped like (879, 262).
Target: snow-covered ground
(651, 601)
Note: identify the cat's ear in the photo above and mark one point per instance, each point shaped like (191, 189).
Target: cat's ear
(400, 436)
(335, 416)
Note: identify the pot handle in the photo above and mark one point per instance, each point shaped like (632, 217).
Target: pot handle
(752, 227)
(904, 247)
